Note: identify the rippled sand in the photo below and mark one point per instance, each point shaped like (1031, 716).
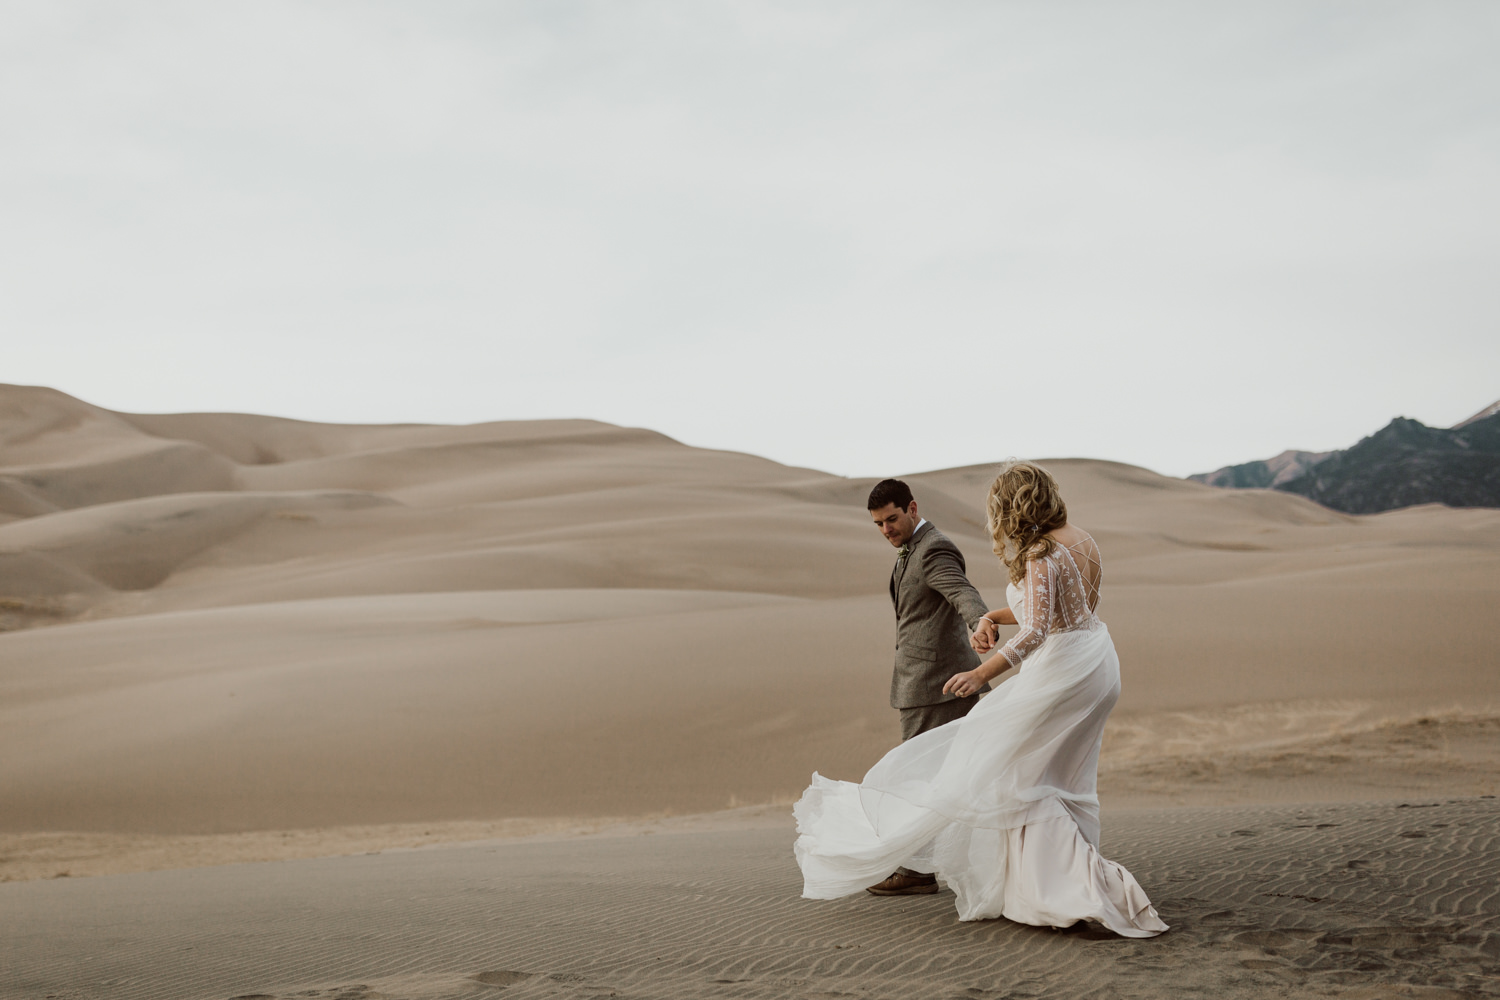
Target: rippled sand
(1356, 900)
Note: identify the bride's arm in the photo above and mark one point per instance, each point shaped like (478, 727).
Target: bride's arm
(1039, 591)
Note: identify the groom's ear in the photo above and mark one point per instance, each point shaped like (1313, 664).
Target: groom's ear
(911, 508)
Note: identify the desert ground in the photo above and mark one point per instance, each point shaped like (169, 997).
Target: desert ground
(607, 662)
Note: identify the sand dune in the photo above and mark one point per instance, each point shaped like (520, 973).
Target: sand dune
(134, 545)
(431, 707)
(60, 453)
(228, 623)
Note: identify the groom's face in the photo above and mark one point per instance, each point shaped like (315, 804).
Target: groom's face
(896, 524)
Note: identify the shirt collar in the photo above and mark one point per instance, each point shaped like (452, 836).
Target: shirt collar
(907, 547)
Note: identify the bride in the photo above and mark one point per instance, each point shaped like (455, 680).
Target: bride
(1000, 804)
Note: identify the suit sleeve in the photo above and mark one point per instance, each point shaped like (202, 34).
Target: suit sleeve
(943, 568)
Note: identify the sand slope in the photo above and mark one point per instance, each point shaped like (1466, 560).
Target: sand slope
(228, 622)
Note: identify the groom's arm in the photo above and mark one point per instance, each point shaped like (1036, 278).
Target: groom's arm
(943, 568)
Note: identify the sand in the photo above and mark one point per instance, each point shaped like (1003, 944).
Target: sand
(1354, 900)
(559, 620)
(239, 639)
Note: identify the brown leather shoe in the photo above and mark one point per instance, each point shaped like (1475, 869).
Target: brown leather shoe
(901, 884)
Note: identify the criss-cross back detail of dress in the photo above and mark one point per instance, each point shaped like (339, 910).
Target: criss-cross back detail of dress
(1057, 595)
(1091, 570)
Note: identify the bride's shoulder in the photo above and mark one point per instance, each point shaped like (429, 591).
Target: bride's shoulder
(1076, 541)
(1069, 535)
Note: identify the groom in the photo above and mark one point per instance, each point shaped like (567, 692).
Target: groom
(936, 608)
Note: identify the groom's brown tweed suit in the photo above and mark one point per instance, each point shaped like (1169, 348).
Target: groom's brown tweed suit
(936, 608)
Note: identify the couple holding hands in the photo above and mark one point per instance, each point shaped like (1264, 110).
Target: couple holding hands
(994, 793)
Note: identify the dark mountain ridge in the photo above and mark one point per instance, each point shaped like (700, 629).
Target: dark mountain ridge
(1263, 473)
(1403, 464)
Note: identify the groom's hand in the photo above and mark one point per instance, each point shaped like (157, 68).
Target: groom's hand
(983, 638)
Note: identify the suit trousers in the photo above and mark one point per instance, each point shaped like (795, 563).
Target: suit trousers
(924, 717)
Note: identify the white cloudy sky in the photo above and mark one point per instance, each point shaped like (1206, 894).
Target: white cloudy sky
(863, 236)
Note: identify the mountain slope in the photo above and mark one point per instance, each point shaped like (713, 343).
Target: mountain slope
(1404, 464)
(1488, 411)
(1262, 474)
(1407, 463)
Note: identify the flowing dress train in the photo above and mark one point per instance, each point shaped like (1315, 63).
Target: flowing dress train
(1002, 803)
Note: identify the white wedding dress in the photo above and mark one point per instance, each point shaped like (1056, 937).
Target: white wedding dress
(1000, 804)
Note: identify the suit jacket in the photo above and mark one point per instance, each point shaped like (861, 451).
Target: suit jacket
(935, 606)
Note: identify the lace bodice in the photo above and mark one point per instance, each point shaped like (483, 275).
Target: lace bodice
(1059, 594)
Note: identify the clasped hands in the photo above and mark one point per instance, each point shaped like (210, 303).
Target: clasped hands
(984, 636)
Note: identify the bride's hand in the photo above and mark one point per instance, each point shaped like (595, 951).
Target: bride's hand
(964, 684)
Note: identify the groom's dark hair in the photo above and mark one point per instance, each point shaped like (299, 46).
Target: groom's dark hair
(890, 491)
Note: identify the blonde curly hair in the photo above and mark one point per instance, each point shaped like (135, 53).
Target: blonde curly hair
(1024, 504)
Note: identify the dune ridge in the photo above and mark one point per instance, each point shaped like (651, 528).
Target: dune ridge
(230, 624)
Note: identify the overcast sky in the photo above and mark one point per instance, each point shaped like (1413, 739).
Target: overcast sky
(867, 237)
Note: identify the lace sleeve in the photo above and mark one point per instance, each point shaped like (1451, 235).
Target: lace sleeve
(1041, 589)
